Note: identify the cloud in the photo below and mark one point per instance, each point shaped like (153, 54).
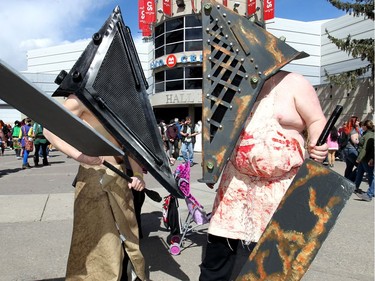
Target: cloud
(27, 25)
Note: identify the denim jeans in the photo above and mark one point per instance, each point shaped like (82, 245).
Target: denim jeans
(370, 190)
(350, 156)
(363, 168)
(25, 157)
(187, 152)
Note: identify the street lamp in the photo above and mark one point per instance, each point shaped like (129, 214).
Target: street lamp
(160, 11)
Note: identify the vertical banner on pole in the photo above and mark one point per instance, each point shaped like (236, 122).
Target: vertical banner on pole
(150, 11)
(167, 7)
(143, 25)
(146, 16)
(269, 9)
(141, 14)
(251, 7)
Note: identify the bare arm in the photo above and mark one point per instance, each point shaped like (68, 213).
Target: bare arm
(308, 106)
(138, 183)
(77, 108)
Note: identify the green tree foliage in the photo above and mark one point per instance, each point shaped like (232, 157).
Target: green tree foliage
(357, 48)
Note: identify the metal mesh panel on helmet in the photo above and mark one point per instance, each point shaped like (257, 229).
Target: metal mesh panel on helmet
(121, 94)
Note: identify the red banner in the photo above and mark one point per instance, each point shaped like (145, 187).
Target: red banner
(143, 25)
(269, 9)
(150, 11)
(251, 7)
(167, 7)
(141, 14)
(225, 3)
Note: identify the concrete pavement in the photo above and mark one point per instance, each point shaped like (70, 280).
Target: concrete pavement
(36, 223)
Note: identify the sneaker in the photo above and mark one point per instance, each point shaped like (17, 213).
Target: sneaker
(358, 191)
(364, 197)
(27, 166)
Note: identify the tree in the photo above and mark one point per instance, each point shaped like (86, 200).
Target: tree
(361, 48)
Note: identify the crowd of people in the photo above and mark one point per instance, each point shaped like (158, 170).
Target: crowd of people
(181, 139)
(24, 137)
(353, 143)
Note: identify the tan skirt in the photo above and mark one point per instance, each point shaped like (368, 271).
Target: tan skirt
(103, 209)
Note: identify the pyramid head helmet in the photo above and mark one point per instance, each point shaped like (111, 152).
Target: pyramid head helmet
(109, 80)
(238, 57)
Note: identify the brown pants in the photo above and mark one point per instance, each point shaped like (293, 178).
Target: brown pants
(103, 209)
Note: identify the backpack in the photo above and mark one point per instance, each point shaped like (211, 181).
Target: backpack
(171, 218)
(343, 140)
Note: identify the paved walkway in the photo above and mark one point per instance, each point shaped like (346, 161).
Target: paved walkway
(36, 224)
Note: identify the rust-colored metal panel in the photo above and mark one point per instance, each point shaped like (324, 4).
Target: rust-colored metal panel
(300, 225)
(238, 56)
(302, 221)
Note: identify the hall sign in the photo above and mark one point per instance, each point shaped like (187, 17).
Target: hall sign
(171, 60)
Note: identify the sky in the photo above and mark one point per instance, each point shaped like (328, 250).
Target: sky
(32, 24)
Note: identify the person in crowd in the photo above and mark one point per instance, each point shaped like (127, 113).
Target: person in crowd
(349, 141)
(2, 138)
(6, 135)
(9, 134)
(162, 129)
(40, 143)
(16, 132)
(179, 124)
(360, 129)
(263, 164)
(25, 136)
(340, 153)
(105, 238)
(188, 137)
(172, 137)
(333, 146)
(365, 161)
(198, 137)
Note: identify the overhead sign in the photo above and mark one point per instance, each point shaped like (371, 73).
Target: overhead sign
(179, 58)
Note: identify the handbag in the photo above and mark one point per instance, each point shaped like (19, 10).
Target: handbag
(29, 144)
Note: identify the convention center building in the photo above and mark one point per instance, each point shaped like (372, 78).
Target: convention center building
(171, 57)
